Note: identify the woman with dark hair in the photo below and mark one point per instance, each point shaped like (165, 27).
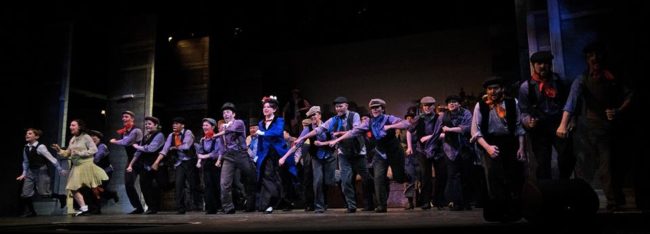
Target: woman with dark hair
(271, 146)
(84, 172)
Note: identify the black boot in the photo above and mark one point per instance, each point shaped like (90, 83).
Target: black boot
(62, 199)
(410, 206)
(28, 202)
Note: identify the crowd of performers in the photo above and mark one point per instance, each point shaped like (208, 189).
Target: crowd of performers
(453, 158)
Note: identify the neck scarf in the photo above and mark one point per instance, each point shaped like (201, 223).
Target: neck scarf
(496, 104)
(377, 126)
(545, 86)
(126, 128)
(208, 134)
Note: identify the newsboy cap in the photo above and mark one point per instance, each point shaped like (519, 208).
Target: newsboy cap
(428, 100)
(128, 112)
(313, 110)
(210, 120)
(541, 56)
(340, 99)
(152, 119)
(376, 102)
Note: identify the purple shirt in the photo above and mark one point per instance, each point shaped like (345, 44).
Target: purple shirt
(234, 139)
(430, 128)
(102, 152)
(209, 146)
(153, 146)
(131, 137)
(379, 130)
(453, 142)
(188, 142)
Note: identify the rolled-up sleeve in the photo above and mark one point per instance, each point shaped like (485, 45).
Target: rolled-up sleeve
(572, 100)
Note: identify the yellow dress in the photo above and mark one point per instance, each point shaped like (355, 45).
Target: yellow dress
(84, 172)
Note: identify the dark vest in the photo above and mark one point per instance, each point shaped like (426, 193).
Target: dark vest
(313, 149)
(130, 151)
(421, 125)
(350, 146)
(600, 95)
(453, 138)
(104, 162)
(35, 160)
(511, 115)
(149, 158)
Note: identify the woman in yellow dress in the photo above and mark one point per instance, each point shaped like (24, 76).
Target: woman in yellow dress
(84, 172)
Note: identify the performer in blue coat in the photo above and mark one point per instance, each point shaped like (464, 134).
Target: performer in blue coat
(270, 147)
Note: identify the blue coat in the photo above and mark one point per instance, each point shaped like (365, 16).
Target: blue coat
(273, 137)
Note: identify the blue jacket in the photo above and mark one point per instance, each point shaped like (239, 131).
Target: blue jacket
(273, 137)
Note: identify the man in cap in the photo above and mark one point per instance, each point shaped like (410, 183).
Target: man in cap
(351, 153)
(323, 161)
(208, 153)
(233, 155)
(101, 159)
(497, 129)
(410, 166)
(598, 98)
(456, 125)
(425, 132)
(179, 147)
(388, 151)
(147, 153)
(130, 134)
(541, 100)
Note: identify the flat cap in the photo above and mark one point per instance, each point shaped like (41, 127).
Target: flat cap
(128, 112)
(428, 100)
(453, 98)
(492, 80)
(340, 99)
(313, 110)
(541, 56)
(376, 102)
(96, 133)
(152, 119)
(210, 120)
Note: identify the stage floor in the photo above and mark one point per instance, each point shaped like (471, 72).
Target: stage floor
(333, 220)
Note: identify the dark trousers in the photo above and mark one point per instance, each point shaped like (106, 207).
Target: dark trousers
(543, 141)
(394, 159)
(232, 161)
(458, 189)
(433, 190)
(186, 173)
(350, 166)
(211, 178)
(594, 140)
(308, 180)
(152, 183)
(323, 176)
(271, 188)
(505, 180)
(411, 170)
(129, 186)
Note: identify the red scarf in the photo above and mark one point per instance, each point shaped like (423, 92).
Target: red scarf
(545, 86)
(127, 127)
(177, 139)
(496, 104)
(208, 134)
